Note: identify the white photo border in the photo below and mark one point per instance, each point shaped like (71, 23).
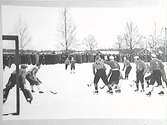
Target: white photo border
(76, 3)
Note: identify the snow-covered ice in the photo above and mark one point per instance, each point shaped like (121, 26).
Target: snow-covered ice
(76, 100)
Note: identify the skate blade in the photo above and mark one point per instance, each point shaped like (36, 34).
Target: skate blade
(95, 93)
(110, 92)
(89, 85)
(53, 92)
(148, 94)
(118, 91)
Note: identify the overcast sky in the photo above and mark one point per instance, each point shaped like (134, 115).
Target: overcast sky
(104, 23)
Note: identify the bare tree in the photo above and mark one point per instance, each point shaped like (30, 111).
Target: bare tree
(90, 42)
(153, 41)
(22, 30)
(156, 39)
(165, 44)
(67, 30)
(131, 36)
(119, 42)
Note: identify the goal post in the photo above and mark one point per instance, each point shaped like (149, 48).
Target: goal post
(15, 39)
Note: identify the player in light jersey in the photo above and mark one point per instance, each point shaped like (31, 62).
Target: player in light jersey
(128, 67)
(140, 72)
(72, 65)
(99, 71)
(33, 79)
(67, 62)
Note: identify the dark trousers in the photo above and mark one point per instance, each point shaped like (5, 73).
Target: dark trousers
(127, 71)
(101, 73)
(140, 78)
(72, 67)
(114, 78)
(164, 76)
(156, 76)
(32, 81)
(11, 83)
(66, 66)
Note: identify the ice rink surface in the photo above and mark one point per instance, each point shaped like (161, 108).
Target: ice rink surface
(76, 100)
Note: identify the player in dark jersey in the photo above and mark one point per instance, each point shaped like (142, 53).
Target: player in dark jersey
(12, 82)
(157, 71)
(99, 71)
(148, 75)
(114, 73)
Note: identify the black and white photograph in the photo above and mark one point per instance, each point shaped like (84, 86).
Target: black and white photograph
(85, 62)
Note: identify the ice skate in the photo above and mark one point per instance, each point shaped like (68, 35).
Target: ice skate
(118, 90)
(142, 90)
(149, 94)
(161, 93)
(4, 100)
(32, 91)
(89, 85)
(131, 85)
(110, 91)
(41, 91)
(29, 100)
(115, 87)
(96, 92)
(136, 90)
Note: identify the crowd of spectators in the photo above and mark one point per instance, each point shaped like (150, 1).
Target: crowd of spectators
(46, 59)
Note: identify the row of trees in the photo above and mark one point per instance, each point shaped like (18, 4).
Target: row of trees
(130, 39)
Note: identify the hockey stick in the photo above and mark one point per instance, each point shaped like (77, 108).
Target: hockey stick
(150, 92)
(10, 114)
(51, 91)
(152, 89)
(102, 87)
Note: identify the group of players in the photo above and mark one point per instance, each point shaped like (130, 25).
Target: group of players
(111, 80)
(70, 62)
(32, 78)
(155, 70)
(22, 76)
